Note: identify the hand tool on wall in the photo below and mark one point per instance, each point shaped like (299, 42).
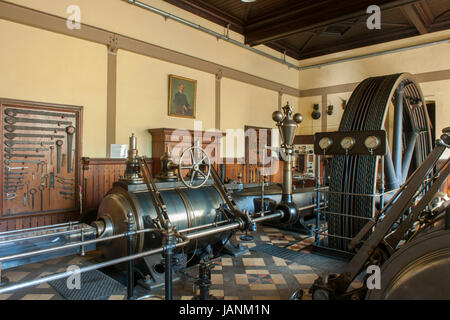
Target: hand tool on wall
(13, 186)
(68, 198)
(12, 189)
(13, 120)
(8, 168)
(11, 112)
(59, 144)
(49, 181)
(11, 143)
(28, 186)
(11, 150)
(33, 191)
(65, 188)
(64, 178)
(52, 179)
(70, 132)
(41, 189)
(12, 128)
(12, 136)
(16, 173)
(66, 193)
(25, 199)
(8, 162)
(63, 160)
(10, 180)
(67, 183)
(80, 194)
(19, 155)
(51, 154)
(10, 196)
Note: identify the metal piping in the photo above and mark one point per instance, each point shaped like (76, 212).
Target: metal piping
(376, 54)
(264, 54)
(210, 32)
(186, 238)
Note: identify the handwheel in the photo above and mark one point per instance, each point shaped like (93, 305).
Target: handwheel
(196, 168)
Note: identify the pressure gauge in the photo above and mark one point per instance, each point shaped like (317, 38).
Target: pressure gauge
(372, 142)
(325, 143)
(347, 143)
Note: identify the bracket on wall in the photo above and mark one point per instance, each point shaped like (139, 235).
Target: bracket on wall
(219, 75)
(113, 44)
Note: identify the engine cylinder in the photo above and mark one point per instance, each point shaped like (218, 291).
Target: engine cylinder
(186, 208)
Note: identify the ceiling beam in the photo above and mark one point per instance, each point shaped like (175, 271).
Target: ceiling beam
(413, 17)
(314, 15)
(209, 12)
(247, 12)
(424, 11)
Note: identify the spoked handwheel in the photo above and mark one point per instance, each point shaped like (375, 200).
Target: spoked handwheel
(200, 167)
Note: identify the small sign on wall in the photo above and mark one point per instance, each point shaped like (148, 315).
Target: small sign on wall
(119, 151)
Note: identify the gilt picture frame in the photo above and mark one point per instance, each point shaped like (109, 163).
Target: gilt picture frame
(182, 97)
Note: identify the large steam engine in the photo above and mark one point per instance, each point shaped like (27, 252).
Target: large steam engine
(198, 201)
(387, 217)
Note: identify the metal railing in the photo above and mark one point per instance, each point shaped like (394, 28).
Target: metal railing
(185, 235)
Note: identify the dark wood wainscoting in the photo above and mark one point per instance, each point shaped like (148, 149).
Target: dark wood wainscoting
(98, 176)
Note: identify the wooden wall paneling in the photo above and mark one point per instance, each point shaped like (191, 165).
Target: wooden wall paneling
(100, 175)
(3, 226)
(176, 141)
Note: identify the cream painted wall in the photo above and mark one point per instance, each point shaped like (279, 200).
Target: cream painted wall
(427, 59)
(334, 120)
(309, 125)
(75, 71)
(124, 18)
(243, 104)
(142, 98)
(43, 66)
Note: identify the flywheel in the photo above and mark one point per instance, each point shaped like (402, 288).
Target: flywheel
(393, 103)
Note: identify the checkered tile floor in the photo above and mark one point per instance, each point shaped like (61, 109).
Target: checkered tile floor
(251, 276)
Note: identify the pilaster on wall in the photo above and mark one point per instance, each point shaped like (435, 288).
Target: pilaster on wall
(217, 108)
(111, 107)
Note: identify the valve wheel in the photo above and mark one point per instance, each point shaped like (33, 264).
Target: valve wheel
(196, 168)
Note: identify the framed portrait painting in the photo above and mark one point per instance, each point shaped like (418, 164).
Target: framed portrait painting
(182, 97)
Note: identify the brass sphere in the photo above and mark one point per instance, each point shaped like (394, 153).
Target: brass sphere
(298, 118)
(277, 116)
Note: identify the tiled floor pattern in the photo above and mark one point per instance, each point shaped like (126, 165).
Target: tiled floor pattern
(251, 276)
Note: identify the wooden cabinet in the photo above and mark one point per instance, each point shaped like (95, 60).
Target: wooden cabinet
(177, 140)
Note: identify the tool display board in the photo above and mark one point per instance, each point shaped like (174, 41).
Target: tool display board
(40, 158)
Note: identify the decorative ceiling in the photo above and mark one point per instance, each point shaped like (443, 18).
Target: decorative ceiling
(309, 28)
